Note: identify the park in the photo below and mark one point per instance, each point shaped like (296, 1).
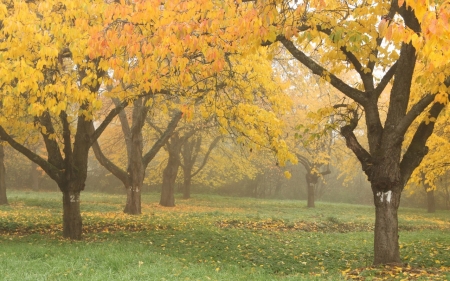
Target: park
(224, 140)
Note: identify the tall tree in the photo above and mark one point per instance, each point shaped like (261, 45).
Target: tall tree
(3, 198)
(190, 152)
(137, 160)
(48, 79)
(380, 41)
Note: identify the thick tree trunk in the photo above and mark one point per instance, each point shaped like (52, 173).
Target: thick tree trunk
(133, 204)
(168, 184)
(386, 246)
(187, 186)
(431, 203)
(171, 171)
(168, 188)
(72, 224)
(3, 197)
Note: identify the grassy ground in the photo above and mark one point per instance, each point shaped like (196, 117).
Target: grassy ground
(213, 238)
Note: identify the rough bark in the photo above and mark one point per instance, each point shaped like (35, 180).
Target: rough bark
(170, 172)
(187, 180)
(136, 168)
(3, 197)
(386, 246)
(72, 224)
(431, 202)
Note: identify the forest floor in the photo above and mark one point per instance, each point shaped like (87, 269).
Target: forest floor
(213, 238)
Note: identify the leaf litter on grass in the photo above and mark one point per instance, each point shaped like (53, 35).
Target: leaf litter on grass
(397, 272)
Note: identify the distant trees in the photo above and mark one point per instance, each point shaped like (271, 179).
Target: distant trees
(137, 158)
(3, 197)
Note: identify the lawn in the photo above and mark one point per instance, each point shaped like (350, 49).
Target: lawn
(213, 238)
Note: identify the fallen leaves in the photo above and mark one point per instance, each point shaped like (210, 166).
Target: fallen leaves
(397, 272)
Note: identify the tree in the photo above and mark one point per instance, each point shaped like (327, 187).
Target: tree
(181, 59)
(137, 160)
(380, 41)
(50, 86)
(433, 168)
(190, 152)
(3, 198)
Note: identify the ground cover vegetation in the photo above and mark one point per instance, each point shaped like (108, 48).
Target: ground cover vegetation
(213, 237)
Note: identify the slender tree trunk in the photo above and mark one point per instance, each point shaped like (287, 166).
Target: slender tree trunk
(386, 246)
(431, 203)
(311, 199)
(311, 181)
(72, 225)
(3, 197)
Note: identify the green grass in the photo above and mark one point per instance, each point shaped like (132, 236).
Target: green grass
(210, 238)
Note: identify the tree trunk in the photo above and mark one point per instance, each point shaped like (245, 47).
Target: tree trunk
(431, 204)
(171, 171)
(311, 181)
(133, 205)
(168, 185)
(187, 186)
(3, 197)
(386, 246)
(311, 200)
(72, 225)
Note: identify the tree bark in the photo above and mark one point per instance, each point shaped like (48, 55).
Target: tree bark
(170, 172)
(3, 197)
(386, 246)
(311, 200)
(72, 224)
(168, 184)
(431, 203)
(133, 204)
(187, 186)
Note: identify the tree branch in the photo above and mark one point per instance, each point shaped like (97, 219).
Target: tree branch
(55, 173)
(417, 149)
(363, 156)
(53, 153)
(206, 157)
(317, 69)
(113, 113)
(162, 139)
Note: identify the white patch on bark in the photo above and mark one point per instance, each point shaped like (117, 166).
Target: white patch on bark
(379, 194)
(388, 196)
(385, 195)
(137, 189)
